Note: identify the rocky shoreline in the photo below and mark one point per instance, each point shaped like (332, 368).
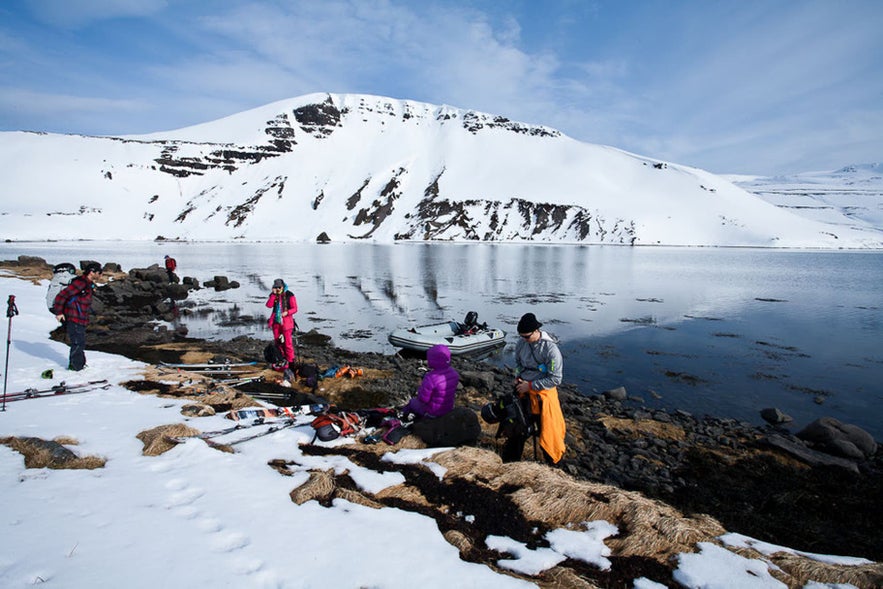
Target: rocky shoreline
(763, 482)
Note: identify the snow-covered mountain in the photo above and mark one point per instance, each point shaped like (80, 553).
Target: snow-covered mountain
(850, 196)
(357, 167)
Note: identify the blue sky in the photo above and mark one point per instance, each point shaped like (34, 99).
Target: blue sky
(740, 86)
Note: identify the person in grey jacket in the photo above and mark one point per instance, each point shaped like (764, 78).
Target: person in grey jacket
(539, 370)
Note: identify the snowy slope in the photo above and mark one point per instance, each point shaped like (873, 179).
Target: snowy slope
(366, 167)
(850, 196)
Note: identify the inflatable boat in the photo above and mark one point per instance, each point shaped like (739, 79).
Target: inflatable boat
(461, 338)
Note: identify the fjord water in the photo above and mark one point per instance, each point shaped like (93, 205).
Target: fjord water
(724, 332)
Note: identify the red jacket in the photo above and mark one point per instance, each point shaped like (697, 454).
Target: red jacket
(75, 301)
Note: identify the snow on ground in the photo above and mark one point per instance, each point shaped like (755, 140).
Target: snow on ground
(196, 517)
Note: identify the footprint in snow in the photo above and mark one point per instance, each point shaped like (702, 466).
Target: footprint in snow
(228, 541)
(209, 525)
(184, 497)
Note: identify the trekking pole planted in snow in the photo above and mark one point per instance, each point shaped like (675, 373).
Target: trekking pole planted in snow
(11, 311)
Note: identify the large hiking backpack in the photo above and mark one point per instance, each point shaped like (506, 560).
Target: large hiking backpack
(62, 275)
(330, 426)
(273, 356)
(511, 413)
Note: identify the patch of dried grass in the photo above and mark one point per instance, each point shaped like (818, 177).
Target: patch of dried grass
(647, 528)
(639, 428)
(563, 578)
(459, 540)
(407, 493)
(356, 497)
(548, 495)
(156, 440)
(66, 440)
(197, 410)
(32, 272)
(319, 486)
(39, 453)
(197, 388)
(797, 571)
(322, 487)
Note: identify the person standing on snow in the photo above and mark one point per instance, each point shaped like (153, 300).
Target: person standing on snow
(72, 306)
(539, 369)
(435, 397)
(281, 321)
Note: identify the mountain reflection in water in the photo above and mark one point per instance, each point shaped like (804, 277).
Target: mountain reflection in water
(725, 332)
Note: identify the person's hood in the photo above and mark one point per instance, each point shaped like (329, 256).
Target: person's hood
(545, 335)
(438, 356)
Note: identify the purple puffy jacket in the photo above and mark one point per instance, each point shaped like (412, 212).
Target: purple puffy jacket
(436, 394)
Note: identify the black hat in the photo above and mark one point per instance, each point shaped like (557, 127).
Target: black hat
(92, 267)
(278, 283)
(64, 267)
(528, 323)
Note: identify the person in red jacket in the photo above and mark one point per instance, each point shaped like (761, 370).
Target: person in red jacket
(281, 321)
(171, 266)
(72, 306)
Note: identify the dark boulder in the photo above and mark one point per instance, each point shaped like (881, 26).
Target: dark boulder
(840, 439)
(774, 416)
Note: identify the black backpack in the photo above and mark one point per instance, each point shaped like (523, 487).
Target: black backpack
(273, 356)
(512, 413)
(309, 373)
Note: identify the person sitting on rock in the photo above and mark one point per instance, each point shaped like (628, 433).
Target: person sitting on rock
(171, 265)
(435, 397)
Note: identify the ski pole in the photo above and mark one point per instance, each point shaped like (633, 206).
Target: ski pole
(11, 311)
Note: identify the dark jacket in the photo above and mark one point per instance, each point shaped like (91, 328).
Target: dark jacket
(75, 301)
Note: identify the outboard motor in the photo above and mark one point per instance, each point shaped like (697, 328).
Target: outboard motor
(471, 319)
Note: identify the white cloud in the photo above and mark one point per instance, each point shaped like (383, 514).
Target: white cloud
(725, 87)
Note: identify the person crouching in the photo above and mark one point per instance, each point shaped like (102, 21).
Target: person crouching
(435, 397)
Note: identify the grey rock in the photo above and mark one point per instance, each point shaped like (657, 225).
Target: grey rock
(832, 436)
(775, 416)
(481, 380)
(808, 455)
(617, 394)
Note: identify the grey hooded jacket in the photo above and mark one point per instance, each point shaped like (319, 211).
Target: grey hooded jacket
(540, 362)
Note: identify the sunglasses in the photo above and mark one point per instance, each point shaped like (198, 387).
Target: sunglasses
(527, 335)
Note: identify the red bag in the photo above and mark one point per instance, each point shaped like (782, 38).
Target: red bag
(331, 426)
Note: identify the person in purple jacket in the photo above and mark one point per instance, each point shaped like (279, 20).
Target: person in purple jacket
(435, 397)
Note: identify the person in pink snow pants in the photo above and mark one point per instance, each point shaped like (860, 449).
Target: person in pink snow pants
(281, 321)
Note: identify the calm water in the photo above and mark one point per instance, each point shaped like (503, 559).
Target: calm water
(725, 332)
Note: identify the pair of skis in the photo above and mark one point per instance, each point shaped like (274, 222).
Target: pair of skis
(271, 412)
(232, 374)
(59, 389)
(284, 417)
(210, 366)
(209, 437)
